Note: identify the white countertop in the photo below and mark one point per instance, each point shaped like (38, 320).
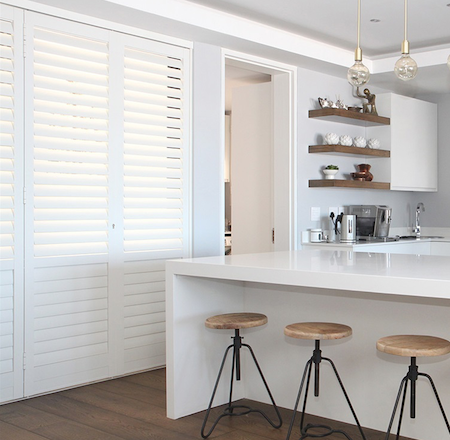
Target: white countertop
(411, 275)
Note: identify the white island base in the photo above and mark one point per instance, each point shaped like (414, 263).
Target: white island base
(376, 294)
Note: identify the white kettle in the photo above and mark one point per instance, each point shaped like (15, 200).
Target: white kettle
(348, 229)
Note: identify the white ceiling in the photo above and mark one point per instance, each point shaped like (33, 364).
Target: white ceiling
(330, 26)
(334, 21)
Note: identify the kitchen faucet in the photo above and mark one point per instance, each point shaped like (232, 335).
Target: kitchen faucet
(416, 229)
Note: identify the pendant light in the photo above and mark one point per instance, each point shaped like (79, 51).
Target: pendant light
(405, 68)
(358, 74)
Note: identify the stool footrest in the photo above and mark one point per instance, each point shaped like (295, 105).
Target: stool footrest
(328, 431)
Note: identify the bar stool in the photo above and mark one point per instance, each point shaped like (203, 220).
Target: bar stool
(413, 346)
(237, 321)
(318, 331)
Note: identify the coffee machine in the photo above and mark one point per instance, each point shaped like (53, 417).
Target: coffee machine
(372, 221)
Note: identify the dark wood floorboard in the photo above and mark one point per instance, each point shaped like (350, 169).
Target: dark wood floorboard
(133, 408)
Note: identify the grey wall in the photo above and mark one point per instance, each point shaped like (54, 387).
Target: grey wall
(311, 85)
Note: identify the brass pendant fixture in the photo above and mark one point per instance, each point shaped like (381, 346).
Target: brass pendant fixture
(358, 74)
(405, 68)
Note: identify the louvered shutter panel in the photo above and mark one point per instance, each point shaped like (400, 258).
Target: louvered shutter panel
(67, 99)
(153, 196)
(11, 206)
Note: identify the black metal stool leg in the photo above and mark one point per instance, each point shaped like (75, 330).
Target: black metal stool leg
(280, 422)
(236, 372)
(437, 398)
(346, 397)
(307, 370)
(402, 409)
(305, 400)
(212, 397)
(397, 400)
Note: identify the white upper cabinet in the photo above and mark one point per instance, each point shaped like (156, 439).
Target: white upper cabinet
(412, 137)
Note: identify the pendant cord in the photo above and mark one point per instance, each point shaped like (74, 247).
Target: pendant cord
(359, 23)
(406, 20)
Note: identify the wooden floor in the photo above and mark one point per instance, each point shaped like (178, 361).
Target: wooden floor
(133, 408)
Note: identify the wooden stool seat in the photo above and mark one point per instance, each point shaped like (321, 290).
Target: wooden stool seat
(413, 345)
(317, 330)
(236, 320)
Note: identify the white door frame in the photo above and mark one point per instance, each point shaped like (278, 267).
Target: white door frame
(284, 78)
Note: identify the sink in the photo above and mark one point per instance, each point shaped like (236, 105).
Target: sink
(413, 237)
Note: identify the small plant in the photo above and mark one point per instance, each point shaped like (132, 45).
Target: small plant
(331, 167)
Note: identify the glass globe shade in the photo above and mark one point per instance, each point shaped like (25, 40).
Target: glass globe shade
(405, 68)
(358, 74)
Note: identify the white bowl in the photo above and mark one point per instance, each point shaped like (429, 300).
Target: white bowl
(329, 174)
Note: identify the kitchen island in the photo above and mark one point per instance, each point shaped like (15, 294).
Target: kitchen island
(376, 294)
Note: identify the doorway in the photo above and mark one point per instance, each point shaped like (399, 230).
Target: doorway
(259, 156)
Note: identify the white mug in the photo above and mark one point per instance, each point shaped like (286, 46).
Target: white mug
(316, 235)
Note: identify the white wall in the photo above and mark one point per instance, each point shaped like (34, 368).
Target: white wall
(208, 152)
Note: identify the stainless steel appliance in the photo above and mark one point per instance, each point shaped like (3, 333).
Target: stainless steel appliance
(372, 221)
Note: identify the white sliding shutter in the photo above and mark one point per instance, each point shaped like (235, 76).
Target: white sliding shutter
(11, 205)
(106, 183)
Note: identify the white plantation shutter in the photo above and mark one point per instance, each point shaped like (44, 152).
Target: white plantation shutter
(67, 185)
(153, 165)
(106, 180)
(11, 205)
(154, 190)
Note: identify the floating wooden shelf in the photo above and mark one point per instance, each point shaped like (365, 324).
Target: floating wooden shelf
(349, 117)
(335, 183)
(343, 149)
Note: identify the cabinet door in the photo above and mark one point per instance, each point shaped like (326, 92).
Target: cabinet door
(414, 144)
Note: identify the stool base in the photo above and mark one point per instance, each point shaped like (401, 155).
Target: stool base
(236, 371)
(411, 377)
(316, 359)
(327, 431)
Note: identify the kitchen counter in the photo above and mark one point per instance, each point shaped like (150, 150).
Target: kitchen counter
(376, 294)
